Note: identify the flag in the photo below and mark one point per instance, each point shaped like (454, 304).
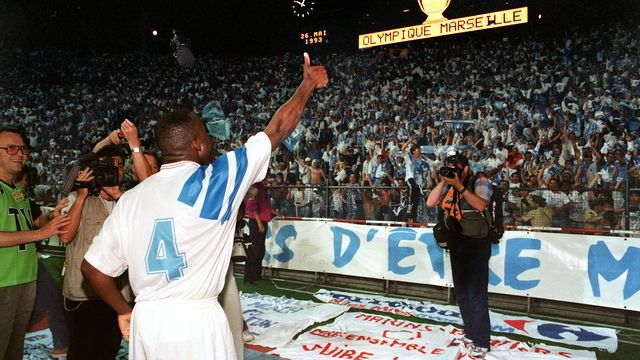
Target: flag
(292, 141)
(213, 111)
(219, 129)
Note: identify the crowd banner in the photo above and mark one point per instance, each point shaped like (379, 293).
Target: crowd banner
(586, 269)
(585, 336)
(356, 335)
(274, 321)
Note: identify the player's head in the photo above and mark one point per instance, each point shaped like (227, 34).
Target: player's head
(181, 135)
(13, 153)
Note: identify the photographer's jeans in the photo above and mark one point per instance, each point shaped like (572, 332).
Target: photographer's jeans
(470, 270)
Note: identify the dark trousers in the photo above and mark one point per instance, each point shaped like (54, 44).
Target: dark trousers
(93, 330)
(415, 195)
(16, 303)
(49, 302)
(255, 252)
(470, 269)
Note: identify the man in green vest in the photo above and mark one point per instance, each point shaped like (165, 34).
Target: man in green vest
(18, 232)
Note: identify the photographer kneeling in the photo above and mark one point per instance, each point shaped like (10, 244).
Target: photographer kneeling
(464, 197)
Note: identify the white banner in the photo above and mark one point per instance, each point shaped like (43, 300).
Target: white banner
(585, 269)
(274, 321)
(366, 336)
(585, 336)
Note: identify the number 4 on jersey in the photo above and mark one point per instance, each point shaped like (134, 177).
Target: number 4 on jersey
(163, 256)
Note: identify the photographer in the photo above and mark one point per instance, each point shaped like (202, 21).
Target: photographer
(129, 133)
(93, 326)
(464, 197)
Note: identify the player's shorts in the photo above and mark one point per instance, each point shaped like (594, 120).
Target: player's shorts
(180, 329)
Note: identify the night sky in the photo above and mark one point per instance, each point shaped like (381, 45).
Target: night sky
(244, 28)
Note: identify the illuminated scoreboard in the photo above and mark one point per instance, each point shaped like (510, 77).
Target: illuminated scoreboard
(313, 37)
(435, 23)
(443, 26)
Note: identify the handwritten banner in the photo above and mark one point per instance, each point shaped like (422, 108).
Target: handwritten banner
(366, 336)
(585, 336)
(586, 269)
(274, 321)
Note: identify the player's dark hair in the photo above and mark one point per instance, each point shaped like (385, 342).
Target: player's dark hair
(175, 131)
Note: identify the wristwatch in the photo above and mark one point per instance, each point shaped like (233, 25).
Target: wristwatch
(136, 149)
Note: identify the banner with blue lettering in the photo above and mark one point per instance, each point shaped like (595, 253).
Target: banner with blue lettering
(586, 269)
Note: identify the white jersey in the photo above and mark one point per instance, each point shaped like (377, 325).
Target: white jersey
(174, 231)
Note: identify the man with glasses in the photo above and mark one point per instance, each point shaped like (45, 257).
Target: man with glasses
(18, 262)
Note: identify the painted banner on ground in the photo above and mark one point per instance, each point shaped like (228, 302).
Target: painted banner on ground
(585, 269)
(366, 336)
(274, 321)
(585, 336)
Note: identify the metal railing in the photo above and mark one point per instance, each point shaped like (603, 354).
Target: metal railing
(567, 210)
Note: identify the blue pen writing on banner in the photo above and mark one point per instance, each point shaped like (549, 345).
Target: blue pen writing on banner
(602, 263)
(519, 264)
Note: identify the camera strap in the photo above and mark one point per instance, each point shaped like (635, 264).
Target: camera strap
(450, 203)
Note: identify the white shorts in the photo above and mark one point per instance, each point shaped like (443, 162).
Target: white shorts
(180, 329)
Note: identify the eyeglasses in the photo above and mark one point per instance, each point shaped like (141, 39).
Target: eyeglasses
(13, 149)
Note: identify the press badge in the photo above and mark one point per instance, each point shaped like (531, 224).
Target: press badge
(18, 196)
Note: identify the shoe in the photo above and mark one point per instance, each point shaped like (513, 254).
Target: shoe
(468, 343)
(59, 353)
(478, 352)
(247, 336)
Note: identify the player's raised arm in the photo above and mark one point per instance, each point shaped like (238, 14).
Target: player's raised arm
(284, 121)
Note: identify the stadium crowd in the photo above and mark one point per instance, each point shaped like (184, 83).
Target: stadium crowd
(553, 119)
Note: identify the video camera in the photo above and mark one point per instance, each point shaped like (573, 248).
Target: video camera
(104, 173)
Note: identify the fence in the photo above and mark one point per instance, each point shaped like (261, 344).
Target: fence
(567, 210)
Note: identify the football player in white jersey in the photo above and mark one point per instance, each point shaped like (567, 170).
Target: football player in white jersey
(174, 233)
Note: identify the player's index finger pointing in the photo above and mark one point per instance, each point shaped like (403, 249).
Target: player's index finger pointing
(307, 60)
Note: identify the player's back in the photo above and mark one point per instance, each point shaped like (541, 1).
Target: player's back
(176, 242)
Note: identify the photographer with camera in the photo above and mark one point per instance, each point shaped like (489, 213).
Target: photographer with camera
(128, 132)
(464, 197)
(93, 326)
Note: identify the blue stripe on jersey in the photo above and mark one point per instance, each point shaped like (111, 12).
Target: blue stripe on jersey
(214, 197)
(192, 187)
(241, 170)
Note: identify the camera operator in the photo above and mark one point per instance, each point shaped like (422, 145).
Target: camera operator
(460, 192)
(93, 326)
(129, 132)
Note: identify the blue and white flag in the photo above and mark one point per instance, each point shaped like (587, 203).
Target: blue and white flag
(294, 139)
(220, 129)
(213, 111)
